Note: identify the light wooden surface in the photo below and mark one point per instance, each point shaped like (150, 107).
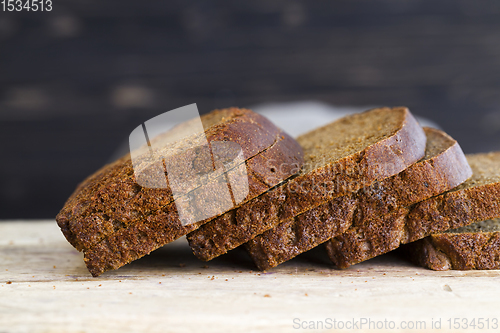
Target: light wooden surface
(45, 287)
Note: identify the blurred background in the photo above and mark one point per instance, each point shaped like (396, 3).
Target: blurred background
(74, 82)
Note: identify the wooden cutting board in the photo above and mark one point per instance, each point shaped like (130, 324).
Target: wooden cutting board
(45, 287)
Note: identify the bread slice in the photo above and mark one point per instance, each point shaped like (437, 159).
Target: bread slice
(110, 209)
(111, 199)
(476, 246)
(474, 200)
(340, 158)
(443, 167)
(164, 226)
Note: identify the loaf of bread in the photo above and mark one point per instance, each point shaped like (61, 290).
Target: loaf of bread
(340, 158)
(114, 220)
(443, 167)
(474, 200)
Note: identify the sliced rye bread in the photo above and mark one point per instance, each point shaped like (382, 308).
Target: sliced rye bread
(474, 200)
(109, 204)
(476, 246)
(164, 226)
(111, 199)
(340, 158)
(443, 168)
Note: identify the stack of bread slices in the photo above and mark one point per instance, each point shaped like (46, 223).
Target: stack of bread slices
(360, 186)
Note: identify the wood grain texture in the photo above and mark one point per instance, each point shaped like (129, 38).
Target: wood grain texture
(44, 286)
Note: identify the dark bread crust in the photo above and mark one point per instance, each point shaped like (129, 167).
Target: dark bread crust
(470, 202)
(378, 219)
(110, 199)
(373, 163)
(164, 226)
(444, 167)
(460, 251)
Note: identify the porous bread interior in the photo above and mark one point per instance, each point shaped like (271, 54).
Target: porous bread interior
(482, 226)
(348, 136)
(485, 170)
(437, 142)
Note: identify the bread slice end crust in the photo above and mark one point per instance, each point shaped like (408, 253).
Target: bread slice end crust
(472, 247)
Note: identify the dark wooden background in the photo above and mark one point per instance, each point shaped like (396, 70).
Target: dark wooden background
(74, 82)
